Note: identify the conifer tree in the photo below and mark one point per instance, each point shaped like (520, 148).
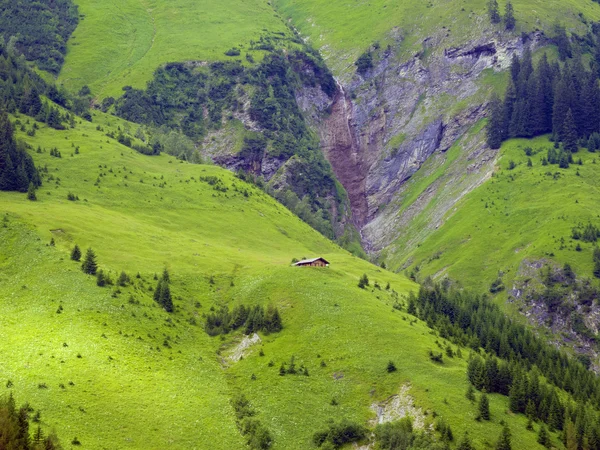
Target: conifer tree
(364, 281)
(162, 295)
(90, 265)
(530, 409)
(100, 278)
(504, 442)
(465, 443)
(543, 437)
(517, 394)
(589, 106)
(509, 105)
(31, 192)
(272, 320)
(484, 407)
(597, 262)
(570, 436)
(569, 133)
(165, 299)
(157, 291)
(123, 279)
(494, 11)
(76, 253)
(509, 17)
(470, 394)
(495, 126)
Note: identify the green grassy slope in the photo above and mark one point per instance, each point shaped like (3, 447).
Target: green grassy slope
(343, 30)
(120, 43)
(129, 389)
(517, 214)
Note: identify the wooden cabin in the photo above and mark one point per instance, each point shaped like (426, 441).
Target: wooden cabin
(315, 262)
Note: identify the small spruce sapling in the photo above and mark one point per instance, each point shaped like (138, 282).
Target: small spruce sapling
(90, 265)
(364, 281)
(31, 192)
(76, 253)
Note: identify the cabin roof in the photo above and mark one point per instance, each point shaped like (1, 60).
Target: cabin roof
(308, 261)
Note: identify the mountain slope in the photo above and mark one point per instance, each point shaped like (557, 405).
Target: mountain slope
(343, 31)
(149, 379)
(140, 35)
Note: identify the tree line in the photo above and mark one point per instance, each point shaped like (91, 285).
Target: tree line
(194, 100)
(250, 319)
(496, 18)
(39, 30)
(17, 171)
(471, 320)
(15, 433)
(560, 97)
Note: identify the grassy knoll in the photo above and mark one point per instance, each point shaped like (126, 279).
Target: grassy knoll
(120, 43)
(147, 379)
(343, 29)
(526, 212)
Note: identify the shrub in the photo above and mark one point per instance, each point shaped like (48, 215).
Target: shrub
(364, 62)
(496, 286)
(338, 434)
(436, 357)
(100, 280)
(233, 52)
(395, 435)
(364, 281)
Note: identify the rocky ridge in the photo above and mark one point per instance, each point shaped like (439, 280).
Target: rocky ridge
(383, 126)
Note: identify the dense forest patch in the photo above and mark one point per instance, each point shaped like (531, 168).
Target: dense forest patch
(39, 30)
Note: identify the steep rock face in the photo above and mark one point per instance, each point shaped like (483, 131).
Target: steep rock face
(570, 312)
(382, 127)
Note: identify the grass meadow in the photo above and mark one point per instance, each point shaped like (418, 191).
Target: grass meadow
(114, 370)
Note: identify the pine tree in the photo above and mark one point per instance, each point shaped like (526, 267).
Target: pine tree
(90, 266)
(517, 394)
(597, 262)
(53, 119)
(509, 105)
(123, 279)
(589, 105)
(363, 282)
(509, 17)
(158, 291)
(273, 320)
(484, 407)
(165, 299)
(543, 437)
(563, 160)
(162, 295)
(530, 409)
(31, 192)
(470, 394)
(100, 279)
(570, 436)
(504, 439)
(569, 133)
(565, 97)
(76, 253)
(165, 275)
(465, 443)
(495, 126)
(7, 148)
(494, 12)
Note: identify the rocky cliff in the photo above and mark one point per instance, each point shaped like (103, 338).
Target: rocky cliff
(384, 125)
